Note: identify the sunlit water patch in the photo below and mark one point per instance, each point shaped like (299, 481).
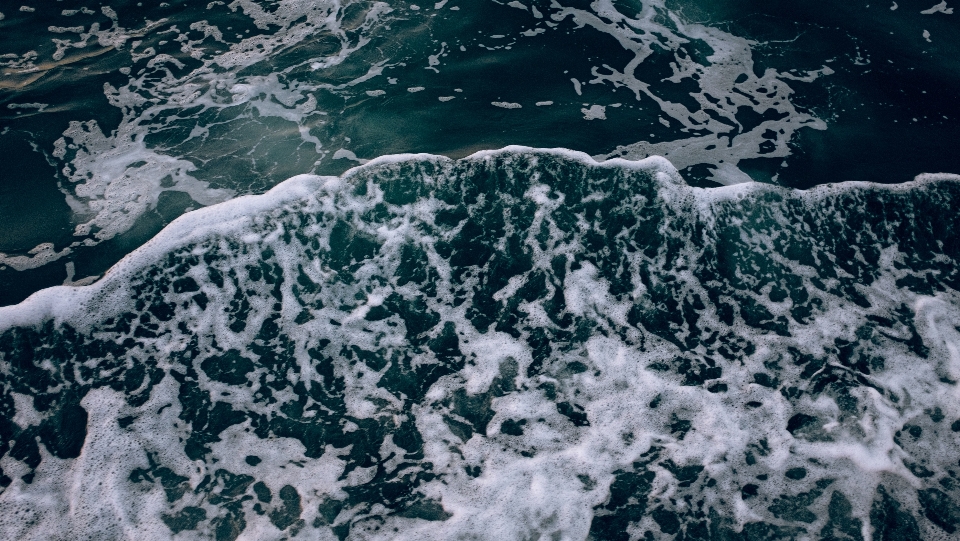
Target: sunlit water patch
(517, 345)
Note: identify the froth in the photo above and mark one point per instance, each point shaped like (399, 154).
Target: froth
(520, 344)
(233, 98)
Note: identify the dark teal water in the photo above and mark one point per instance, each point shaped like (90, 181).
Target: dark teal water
(311, 74)
(733, 342)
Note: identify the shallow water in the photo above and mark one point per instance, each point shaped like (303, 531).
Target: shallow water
(699, 332)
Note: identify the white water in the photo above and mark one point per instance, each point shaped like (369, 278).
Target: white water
(518, 439)
(210, 93)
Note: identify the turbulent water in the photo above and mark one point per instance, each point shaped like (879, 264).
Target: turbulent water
(518, 345)
(248, 311)
(124, 115)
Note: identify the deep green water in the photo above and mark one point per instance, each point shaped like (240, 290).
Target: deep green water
(203, 103)
(731, 341)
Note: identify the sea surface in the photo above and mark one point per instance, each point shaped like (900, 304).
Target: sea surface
(538, 269)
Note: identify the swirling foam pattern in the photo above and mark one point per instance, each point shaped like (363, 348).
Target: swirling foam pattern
(522, 344)
(194, 103)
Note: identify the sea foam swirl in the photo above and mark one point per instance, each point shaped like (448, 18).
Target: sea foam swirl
(196, 103)
(522, 344)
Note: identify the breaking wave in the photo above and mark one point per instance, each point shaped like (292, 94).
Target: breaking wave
(207, 101)
(522, 344)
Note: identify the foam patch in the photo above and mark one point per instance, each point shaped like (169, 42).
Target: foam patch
(520, 344)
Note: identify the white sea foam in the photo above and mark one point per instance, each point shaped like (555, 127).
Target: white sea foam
(594, 112)
(199, 94)
(571, 393)
(727, 84)
(939, 8)
(109, 187)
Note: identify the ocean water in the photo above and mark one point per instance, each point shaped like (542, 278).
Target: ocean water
(278, 269)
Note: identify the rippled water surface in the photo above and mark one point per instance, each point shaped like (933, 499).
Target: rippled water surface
(729, 311)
